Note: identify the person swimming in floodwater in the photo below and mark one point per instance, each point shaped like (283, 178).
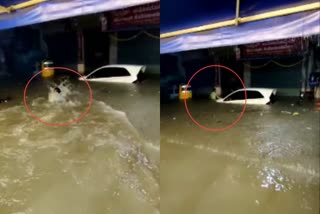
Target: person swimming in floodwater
(55, 95)
(213, 95)
(57, 89)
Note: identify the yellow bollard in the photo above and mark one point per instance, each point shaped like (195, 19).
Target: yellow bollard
(184, 92)
(47, 68)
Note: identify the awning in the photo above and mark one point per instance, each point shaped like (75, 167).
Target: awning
(291, 26)
(58, 9)
(190, 24)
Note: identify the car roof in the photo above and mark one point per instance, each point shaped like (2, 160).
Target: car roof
(257, 89)
(124, 66)
(132, 69)
(265, 91)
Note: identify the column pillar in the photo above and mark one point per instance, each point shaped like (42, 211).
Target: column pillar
(81, 52)
(247, 75)
(113, 50)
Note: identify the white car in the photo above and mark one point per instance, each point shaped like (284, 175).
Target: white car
(255, 96)
(116, 74)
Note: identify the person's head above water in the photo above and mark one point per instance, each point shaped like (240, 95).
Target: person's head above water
(58, 90)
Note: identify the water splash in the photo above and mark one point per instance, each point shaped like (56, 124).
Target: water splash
(60, 92)
(100, 154)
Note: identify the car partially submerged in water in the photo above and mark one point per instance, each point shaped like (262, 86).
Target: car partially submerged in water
(255, 96)
(117, 74)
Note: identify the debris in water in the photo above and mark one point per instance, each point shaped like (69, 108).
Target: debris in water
(174, 118)
(309, 128)
(286, 112)
(257, 202)
(261, 114)
(292, 104)
(295, 114)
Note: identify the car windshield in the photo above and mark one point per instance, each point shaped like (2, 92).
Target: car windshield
(240, 95)
(109, 72)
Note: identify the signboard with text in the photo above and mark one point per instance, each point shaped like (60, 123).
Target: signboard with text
(144, 15)
(285, 47)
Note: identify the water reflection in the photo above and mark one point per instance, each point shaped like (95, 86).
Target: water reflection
(267, 163)
(273, 179)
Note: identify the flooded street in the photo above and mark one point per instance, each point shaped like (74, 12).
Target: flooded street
(108, 162)
(267, 163)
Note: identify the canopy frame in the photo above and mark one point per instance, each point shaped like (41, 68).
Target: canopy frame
(239, 20)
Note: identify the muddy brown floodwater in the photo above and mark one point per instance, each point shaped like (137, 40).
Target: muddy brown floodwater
(106, 163)
(268, 163)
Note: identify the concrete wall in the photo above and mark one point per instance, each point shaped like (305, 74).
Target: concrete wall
(286, 80)
(97, 49)
(141, 50)
(22, 50)
(62, 49)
